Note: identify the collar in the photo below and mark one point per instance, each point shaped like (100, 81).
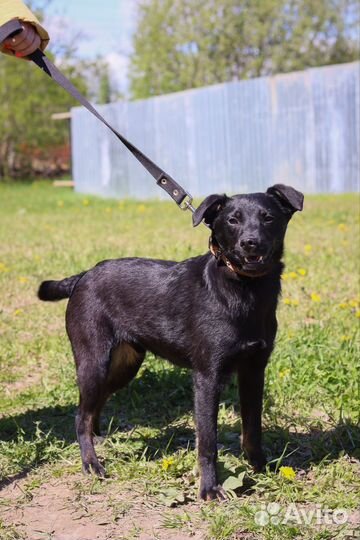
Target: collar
(218, 253)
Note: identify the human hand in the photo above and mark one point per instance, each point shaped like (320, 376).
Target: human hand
(25, 42)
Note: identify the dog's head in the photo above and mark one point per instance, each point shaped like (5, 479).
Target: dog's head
(250, 229)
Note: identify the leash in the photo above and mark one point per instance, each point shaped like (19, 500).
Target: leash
(182, 198)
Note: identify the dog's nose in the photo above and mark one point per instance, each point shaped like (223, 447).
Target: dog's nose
(249, 244)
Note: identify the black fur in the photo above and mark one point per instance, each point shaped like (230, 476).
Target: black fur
(197, 313)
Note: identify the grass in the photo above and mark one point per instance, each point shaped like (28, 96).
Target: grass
(311, 408)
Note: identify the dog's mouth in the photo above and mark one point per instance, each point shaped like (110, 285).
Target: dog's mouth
(254, 265)
(253, 259)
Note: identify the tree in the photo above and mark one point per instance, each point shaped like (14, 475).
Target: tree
(183, 44)
(28, 98)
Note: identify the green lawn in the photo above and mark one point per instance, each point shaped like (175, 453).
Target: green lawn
(311, 403)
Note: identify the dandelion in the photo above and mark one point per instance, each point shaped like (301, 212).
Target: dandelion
(315, 297)
(141, 208)
(342, 227)
(343, 305)
(302, 271)
(18, 312)
(293, 275)
(86, 202)
(353, 303)
(308, 248)
(23, 279)
(166, 463)
(345, 338)
(288, 473)
(291, 301)
(284, 373)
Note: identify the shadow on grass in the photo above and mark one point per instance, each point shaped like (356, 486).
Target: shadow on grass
(156, 400)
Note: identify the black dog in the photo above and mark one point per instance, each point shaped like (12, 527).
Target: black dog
(214, 313)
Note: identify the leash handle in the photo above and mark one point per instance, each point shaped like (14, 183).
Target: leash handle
(9, 29)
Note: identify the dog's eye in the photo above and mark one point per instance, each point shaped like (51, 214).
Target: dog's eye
(268, 218)
(233, 221)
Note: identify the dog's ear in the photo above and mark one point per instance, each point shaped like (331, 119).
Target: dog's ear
(290, 200)
(208, 209)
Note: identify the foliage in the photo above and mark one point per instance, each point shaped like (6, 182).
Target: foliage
(183, 44)
(311, 407)
(28, 98)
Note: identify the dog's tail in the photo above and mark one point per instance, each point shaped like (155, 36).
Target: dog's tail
(58, 290)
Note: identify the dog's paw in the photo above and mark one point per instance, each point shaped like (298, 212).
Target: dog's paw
(213, 493)
(257, 461)
(94, 467)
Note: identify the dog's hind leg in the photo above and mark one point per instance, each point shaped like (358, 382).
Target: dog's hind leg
(125, 362)
(97, 380)
(93, 394)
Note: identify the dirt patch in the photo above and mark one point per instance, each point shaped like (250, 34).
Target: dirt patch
(26, 381)
(59, 510)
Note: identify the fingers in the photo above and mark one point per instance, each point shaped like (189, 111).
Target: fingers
(25, 42)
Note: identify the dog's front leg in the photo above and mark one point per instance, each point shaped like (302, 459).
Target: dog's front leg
(251, 386)
(207, 391)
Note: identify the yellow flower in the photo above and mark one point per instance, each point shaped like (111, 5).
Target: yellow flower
(293, 275)
(343, 305)
(357, 314)
(18, 312)
(315, 297)
(291, 302)
(308, 248)
(86, 202)
(345, 338)
(60, 204)
(285, 276)
(353, 303)
(23, 279)
(302, 271)
(3, 267)
(288, 473)
(141, 208)
(283, 373)
(342, 227)
(167, 462)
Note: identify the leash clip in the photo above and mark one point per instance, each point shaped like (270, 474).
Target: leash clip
(186, 203)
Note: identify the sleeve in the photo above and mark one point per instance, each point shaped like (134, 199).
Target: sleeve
(16, 9)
